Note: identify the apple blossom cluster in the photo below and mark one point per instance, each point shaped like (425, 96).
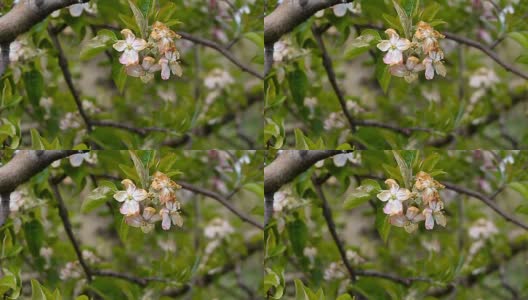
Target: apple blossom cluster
(143, 209)
(145, 58)
(406, 59)
(406, 209)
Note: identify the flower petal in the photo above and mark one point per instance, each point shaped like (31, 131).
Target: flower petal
(393, 57)
(129, 208)
(120, 45)
(384, 195)
(139, 194)
(121, 196)
(393, 208)
(398, 220)
(383, 45)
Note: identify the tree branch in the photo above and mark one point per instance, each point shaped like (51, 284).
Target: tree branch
(487, 200)
(327, 64)
(28, 13)
(289, 14)
(63, 213)
(224, 51)
(4, 57)
(63, 64)
(474, 277)
(222, 200)
(210, 278)
(288, 165)
(327, 214)
(142, 131)
(26, 164)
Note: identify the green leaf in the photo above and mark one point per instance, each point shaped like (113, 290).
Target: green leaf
(8, 282)
(523, 59)
(257, 188)
(405, 170)
(96, 198)
(119, 76)
(382, 223)
(145, 6)
(344, 297)
(521, 187)
(383, 75)
(298, 83)
(256, 38)
(368, 39)
(522, 209)
(34, 233)
(300, 292)
(411, 7)
(141, 170)
(405, 21)
(298, 233)
(300, 140)
(362, 194)
(34, 84)
(430, 12)
(104, 39)
(36, 140)
(520, 37)
(141, 21)
(36, 291)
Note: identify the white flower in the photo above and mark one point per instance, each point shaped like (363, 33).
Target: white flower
(145, 71)
(341, 9)
(434, 214)
(282, 50)
(77, 9)
(334, 271)
(433, 63)
(353, 256)
(72, 120)
(334, 121)
(169, 64)
(427, 36)
(394, 47)
(77, 159)
(218, 229)
(131, 198)
(145, 221)
(394, 197)
(130, 47)
(72, 270)
(218, 79)
(409, 70)
(483, 78)
(164, 37)
(310, 252)
(482, 229)
(341, 159)
(282, 199)
(17, 199)
(170, 214)
(409, 221)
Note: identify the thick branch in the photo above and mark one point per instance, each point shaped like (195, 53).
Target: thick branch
(4, 57)
(289, 164)
(28, 13)
(26, 164)
(290, 14)
(222, 200)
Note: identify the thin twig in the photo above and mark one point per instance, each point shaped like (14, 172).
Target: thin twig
(222, 200)
(327, 214)
(63, 64)
(63, 213)
(4, 58)
(487, 200)
(327, 64)
(142, 131)
(222, 50)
